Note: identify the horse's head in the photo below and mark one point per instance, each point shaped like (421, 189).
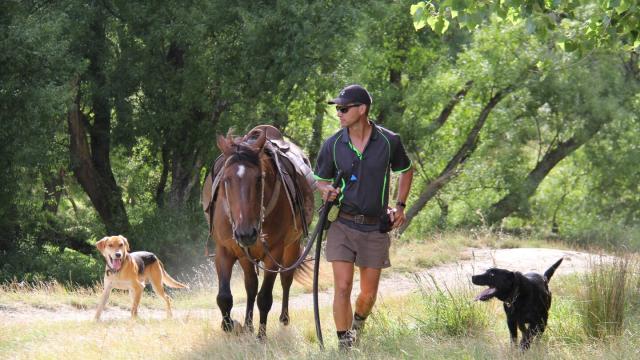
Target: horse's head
(242, 185)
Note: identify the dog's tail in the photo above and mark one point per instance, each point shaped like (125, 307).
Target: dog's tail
(169, 281)
(549, 273)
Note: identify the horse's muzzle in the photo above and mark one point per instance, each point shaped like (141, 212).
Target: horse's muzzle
(246, 237)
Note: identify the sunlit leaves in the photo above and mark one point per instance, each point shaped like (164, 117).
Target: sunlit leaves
(605, 23)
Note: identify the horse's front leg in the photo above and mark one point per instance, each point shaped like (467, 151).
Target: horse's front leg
(251, 286)
(224, 265)
(291, 254)
(265, 297)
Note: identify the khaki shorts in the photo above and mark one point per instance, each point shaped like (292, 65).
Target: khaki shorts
(365, 249)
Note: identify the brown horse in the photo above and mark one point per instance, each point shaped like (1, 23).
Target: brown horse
(251, 208)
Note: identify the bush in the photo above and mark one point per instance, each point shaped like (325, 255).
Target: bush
(32, 264)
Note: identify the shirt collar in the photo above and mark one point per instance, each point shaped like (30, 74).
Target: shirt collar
(374, 133)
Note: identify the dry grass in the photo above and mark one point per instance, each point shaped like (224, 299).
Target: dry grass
(396, 329)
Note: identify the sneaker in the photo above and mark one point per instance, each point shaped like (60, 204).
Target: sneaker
(347, 341)
(357, 326)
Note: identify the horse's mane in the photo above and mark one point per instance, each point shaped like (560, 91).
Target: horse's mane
(244, 152)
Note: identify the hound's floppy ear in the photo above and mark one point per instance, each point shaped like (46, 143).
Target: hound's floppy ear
(102, 243)
(126, 242)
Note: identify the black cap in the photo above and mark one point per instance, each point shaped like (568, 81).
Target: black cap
(352, 94)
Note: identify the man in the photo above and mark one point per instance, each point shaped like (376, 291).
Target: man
(366, 153)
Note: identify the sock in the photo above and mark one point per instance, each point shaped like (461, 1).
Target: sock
(358, 321)
(341, 334)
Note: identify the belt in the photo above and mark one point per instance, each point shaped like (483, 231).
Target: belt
(359, 219)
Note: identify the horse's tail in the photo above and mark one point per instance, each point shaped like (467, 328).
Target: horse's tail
(169, 281)
(303, 274)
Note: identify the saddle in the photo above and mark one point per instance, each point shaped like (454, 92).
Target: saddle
(293, 169)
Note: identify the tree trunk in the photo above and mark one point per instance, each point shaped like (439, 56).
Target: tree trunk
(185, 174)
(316, 130)
(187, 160)
(163, 176)
(90, 161)
(458, 159)
(53, 183)
(393, 107)
(517, 200)
(93, 172)
(448, 109)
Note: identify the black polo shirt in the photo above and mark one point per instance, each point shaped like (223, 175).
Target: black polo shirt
(365, 184)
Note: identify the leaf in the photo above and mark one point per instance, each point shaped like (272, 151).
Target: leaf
(418, 8)
(418, 13)
(445, 25)
(433, 22)
(624, 6)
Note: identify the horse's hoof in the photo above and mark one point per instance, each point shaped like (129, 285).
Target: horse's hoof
(284, 319)
(262, 332)
(233, 327)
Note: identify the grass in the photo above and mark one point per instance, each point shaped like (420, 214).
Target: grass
(605, 296)
(436, 322)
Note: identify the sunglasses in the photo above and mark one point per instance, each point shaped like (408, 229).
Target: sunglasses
(345, 109)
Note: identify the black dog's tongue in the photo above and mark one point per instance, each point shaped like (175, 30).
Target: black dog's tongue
(486, 294)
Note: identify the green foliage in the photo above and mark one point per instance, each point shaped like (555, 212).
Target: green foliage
(582, 24)
(31, 263)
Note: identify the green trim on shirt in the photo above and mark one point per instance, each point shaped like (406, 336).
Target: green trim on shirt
(405, 169)
(321, 179)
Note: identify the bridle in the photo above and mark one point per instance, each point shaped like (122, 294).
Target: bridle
(263, 213)
(227, 207)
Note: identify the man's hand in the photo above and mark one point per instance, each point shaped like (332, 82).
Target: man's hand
(397, 217)
(329, 193)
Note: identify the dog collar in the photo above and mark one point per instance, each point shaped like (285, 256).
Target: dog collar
(512, 299)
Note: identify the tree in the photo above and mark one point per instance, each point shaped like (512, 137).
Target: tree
(572, 25)
(33, 94)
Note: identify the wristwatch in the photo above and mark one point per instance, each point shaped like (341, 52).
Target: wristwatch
(401, 204)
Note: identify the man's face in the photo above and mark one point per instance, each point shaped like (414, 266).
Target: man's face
(349, 114)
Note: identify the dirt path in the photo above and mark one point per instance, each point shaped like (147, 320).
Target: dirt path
(392, 285)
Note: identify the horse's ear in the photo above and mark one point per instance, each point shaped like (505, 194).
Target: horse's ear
(223, 144)
(259, 143)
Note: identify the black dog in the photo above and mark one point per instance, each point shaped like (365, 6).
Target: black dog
(526, 299)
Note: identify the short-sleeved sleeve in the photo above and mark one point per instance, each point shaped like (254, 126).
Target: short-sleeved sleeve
(325, 168)
(400, 162)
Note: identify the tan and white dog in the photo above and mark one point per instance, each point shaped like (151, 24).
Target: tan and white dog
(130, 271)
